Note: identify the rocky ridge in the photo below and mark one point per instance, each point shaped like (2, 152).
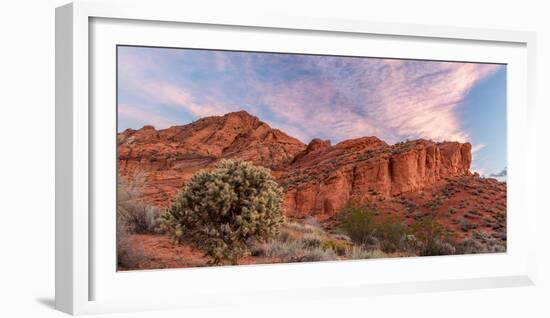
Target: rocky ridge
(319, 178)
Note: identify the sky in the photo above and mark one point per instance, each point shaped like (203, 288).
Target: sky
(327, 97)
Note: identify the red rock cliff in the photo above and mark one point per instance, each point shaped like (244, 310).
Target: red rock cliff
(319, 178)
(169, 157)
(321, 182)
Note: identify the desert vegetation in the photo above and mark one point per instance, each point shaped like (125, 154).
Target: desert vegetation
(224, 210)
(228, 190)
(133, 216)
(424, 237)
(232, 214)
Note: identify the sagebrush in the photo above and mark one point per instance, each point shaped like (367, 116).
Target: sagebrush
(133, 211)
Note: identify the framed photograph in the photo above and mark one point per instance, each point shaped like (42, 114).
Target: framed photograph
(206, 159)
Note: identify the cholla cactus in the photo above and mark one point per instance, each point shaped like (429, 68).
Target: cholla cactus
(223, 210)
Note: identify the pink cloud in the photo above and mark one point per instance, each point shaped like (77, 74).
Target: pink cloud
(140, 76)
(477, 147)
(347, 98)
(144, 117)
(399, 99)
(420, 102)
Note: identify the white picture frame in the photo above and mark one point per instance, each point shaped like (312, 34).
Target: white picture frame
(79, 147)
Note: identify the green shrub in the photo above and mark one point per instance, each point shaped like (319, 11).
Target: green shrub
(390, 232)
(221, 211)
(432, 238)
(358, 223)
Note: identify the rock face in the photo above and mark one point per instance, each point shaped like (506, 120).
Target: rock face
(323, 181)
(319, 179)
(167, 158)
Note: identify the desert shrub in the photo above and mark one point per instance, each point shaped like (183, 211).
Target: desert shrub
(311, 240)
(129, 256)
(464, 224)
(141, 218)
(409, 243)
(137, 215)
(291, 250)
(221, 211)
(341, 237)
(432, 238)
(438, 247)
(390, 232)
(308, 225)
(359, 252)
(302, 242)
(435, 203)
(285, 249)
(481, 243)
(338, 246)
(358, 223)
(317, 255)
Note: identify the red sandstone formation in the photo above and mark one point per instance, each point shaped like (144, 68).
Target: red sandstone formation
(319, 178)
(323, 180)
(169, 157)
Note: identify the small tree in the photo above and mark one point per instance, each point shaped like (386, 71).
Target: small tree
(223, 210)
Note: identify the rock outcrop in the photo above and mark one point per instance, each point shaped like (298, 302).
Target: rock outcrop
(319, 179)
(167, 158)
(322, 182)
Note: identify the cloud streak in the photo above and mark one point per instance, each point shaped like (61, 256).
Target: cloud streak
(502, 174)
(333, 98)
(393, 99)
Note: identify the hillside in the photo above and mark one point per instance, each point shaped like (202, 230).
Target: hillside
(407, 180)
(167, 158)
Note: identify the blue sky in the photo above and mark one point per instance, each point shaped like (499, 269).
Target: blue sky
(327, 97)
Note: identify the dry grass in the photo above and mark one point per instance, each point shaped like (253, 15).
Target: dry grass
(307, 241)
(138, 216)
